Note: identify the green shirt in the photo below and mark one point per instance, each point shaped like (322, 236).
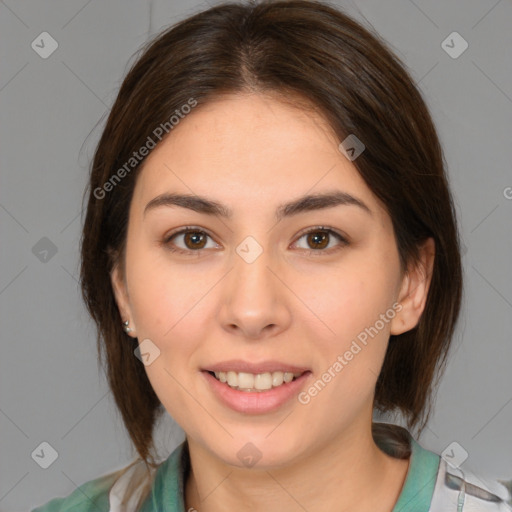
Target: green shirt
(168, 486)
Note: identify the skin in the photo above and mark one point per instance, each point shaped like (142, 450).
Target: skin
(251, 153)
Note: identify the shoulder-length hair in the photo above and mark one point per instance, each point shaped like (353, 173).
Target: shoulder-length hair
(312, 54)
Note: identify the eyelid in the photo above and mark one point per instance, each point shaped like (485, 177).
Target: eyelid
(184, 230)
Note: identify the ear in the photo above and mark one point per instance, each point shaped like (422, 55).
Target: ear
(121, 295)
(414, 290)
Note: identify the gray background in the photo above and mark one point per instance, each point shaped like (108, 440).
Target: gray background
(51, 389)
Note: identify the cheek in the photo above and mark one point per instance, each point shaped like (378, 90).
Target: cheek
(166, 307)
(353, 310)
(348, 300)
(163, 297)
(350, 360)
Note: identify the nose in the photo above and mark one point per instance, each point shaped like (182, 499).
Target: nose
(254, 299)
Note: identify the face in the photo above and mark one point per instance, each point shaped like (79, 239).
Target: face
(258, 292)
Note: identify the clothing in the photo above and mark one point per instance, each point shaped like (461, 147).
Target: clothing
(431, 484)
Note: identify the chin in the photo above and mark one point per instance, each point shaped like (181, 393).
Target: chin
(261, 451)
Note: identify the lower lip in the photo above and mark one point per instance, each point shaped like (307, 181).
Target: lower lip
(256, 402)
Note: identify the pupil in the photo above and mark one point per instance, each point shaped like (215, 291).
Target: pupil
(195, 237)
(318, 239)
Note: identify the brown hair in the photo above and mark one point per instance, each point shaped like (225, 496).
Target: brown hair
(307, 51)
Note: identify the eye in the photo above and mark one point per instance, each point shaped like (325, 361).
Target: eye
(193, 238)
(320, 237)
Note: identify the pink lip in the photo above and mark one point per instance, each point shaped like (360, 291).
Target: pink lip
(237, 365)
(256, 402)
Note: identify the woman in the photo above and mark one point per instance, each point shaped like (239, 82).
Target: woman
(271, 253)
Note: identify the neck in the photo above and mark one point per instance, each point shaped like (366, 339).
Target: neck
(349, 473)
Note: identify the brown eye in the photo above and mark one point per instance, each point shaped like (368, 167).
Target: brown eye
(192, 240)
(195, 239)
(318, 240)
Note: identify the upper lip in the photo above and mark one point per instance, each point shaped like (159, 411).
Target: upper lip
(238, 365)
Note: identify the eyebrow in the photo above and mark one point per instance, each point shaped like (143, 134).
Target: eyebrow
(305, 203)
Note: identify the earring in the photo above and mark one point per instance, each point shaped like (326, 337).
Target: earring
(126, 328)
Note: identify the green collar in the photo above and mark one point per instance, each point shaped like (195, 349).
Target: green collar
(420, 481)
(168, 492)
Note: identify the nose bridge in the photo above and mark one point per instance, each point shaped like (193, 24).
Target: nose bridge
(251, 266)
(253, 300)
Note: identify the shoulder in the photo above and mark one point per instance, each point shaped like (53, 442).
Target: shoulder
(434, 485)
(125, 490)
(92, 496)
(462, 490)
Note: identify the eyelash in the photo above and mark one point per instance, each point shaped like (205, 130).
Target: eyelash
(311, 252)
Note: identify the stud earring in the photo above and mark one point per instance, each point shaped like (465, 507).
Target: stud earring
(126, 328)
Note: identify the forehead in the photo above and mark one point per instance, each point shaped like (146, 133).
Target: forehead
(248, 148)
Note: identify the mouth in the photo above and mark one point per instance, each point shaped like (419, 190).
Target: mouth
(255, 388)
(255, 382)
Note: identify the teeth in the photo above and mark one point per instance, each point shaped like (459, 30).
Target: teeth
(288, 377)
(232, 379)
(277, 378)
(255, 382)
(262, 381)
(245, 380)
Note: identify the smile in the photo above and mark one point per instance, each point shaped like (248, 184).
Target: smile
(258, 382)
(264, 391)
